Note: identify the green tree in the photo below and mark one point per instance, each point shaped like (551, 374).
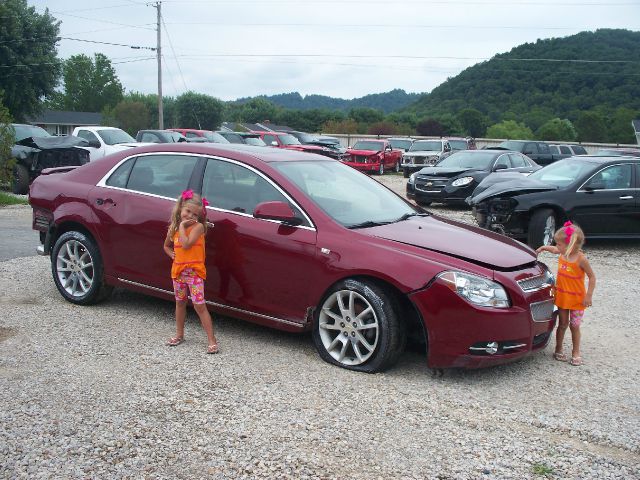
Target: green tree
(382, 128)
(348, 125)
(591, 127)
(365, 115)
(510, 129)
(89, 85)
(29, 67)
(256, 110)
(197, 110)
(7, 138)
(474, 122)
(557, 129)
(130, 116)
(430, 127)
(620, 128)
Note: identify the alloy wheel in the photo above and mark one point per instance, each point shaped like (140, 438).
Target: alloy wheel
(74, 268)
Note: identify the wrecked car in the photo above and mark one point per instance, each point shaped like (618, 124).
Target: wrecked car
(35, 149)
(598, 193)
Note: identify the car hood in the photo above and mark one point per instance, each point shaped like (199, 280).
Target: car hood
(447, 172)
(459, 240)
(507, 184)
(352, 151)
(52, 143)
(422, 153)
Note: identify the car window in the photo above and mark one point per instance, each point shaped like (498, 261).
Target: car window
(579, 150)
(191, 135)
(149, 137)
(269, 139)
(87, 135)
(115, 136)
(502, 161)
(542, 148)
(120, 177)
(518, 161)
(426, 145)
(230, 186)
(26, 131)
(554, 149)
(165, 175)
(611, 178)
(562, 173)
(565, 150)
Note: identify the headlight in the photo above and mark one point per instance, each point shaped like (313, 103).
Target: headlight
(412, 178)
(477, 290)
(461, 182)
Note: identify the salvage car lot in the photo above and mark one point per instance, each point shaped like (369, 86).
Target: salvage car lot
(99, 395)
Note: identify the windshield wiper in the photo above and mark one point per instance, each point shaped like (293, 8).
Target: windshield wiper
(367, 224)
(412, 214)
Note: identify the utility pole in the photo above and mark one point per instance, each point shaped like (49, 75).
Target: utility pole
(158, 6)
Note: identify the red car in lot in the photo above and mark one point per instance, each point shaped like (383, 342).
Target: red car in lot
(289, 142)
(374, 156)
(298, 242)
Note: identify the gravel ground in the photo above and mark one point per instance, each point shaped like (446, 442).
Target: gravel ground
(92, 392)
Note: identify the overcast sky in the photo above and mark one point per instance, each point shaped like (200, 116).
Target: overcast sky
(345, 49)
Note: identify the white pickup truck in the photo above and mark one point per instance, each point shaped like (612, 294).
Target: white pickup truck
(105, 140)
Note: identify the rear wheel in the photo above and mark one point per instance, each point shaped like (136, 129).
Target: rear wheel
(542, 227)
(20, 183)
(357, 326)
(76, 265)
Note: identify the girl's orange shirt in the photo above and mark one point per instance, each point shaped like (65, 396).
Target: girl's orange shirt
(192, 257)
(570, 289)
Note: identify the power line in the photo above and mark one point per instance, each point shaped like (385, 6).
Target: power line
(135, 47)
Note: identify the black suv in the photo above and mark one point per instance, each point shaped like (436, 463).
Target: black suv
(539, 152)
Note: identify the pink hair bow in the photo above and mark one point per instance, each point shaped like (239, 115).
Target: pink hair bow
(205, 202)
(568, 230)
(187, 194)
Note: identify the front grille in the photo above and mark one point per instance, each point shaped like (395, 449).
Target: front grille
(539, 282)
(431, 184)
(542, 311)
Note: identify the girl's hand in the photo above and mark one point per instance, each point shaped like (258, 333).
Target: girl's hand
(587, 302)
(187, 223)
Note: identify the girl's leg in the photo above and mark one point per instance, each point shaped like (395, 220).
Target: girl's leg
(181, 315)
(206, 321)
(575, 339)
(563, 323)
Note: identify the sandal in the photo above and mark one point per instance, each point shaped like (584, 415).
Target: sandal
(213, 348)
(576, 361)
(561, 357)
(175, 341)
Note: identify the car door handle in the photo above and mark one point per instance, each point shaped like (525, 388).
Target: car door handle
(626, 197)
(101, 201)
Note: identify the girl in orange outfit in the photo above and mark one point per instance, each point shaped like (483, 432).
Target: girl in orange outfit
(185, 245)
(571, 298)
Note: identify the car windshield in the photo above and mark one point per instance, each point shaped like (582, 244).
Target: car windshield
(289, 140)
(426, 145)
(458, 144)
(26, 131)
(115, 136)
(401, 144)
(346, 195)
(563, 172)
(215, 137)
(305, 137)
(254, 141)
(176, 137)
(368, 145)
(467, 159)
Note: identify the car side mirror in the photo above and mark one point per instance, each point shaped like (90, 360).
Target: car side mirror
(94, 143)
(274, 144)
(279, 211)
(594, 186)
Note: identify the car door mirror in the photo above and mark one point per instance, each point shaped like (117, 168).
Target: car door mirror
(94, 143)
(274, 144)
(279, 211)
(591, 186)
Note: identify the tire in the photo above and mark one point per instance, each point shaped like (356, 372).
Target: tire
(381, 168)
(76, 265)
(357, 326)
(406, 173)
(422, 203)
(396, 167)
(542, 226)
(20, 183)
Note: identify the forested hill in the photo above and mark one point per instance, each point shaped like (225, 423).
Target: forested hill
(387, 102)
(560, 76)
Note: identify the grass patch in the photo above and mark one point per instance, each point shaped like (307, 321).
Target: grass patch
(542, 469)
(10, 199)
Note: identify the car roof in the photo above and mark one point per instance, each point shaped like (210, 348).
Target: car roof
(234, 151)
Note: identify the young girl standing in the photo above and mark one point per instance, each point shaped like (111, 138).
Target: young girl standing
(185, 245)
(571, 298)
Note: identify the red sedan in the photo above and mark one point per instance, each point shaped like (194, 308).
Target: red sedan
(298, 242)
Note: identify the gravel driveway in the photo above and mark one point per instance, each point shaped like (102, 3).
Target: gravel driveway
(92, 392)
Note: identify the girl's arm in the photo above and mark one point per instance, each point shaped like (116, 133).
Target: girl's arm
(168, 247)
(584, 264)
(548, 248)
(188, 240)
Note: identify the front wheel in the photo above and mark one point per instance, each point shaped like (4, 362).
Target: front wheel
(357, 326)
(381, 169)
(77, 269)
(542, 227)
(396, 167)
